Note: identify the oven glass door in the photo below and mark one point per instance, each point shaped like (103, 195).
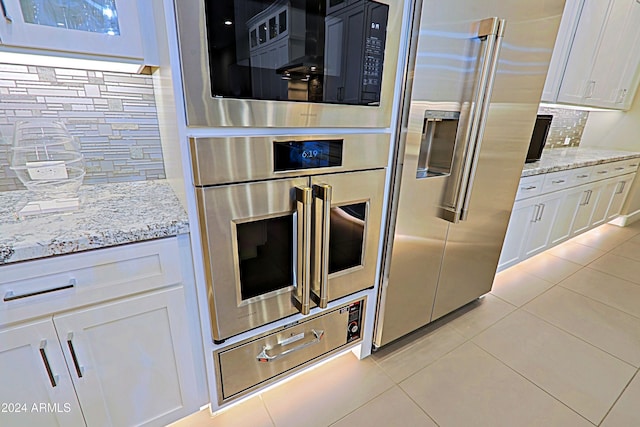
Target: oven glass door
(270, 255)
(298, 50)
(350, 257)
(250, 235)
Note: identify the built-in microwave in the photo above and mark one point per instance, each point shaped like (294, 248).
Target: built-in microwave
(289, 63)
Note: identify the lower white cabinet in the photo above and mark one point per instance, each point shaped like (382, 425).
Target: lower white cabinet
(586, 202)
(126, 361)
(529, 229)
(36, 388)
(539, 222)
(620, 192)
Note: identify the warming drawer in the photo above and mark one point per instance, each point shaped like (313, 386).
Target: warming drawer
(258, 361)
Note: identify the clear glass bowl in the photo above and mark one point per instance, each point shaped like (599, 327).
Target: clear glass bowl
(47, 159)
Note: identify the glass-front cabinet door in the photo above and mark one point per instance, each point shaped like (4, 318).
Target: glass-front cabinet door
(95, 27)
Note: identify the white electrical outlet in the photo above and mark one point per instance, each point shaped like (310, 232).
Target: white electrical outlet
(567, 141)
(39, 171)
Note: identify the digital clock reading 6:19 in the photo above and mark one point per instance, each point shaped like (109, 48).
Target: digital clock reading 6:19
(292, 155)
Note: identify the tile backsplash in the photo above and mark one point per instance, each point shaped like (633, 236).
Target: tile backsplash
(113, 116)
(566, 123)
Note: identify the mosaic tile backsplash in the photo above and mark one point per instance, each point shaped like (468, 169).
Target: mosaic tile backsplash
(113, 116)
(566, 123)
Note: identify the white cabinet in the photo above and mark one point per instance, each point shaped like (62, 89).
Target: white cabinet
(102, 28)
(620, 187)
(614, 73)
(551, 208)
(587, 201)
(521, 216)
(597, 54)
(544, 214)
(529, 228)
(561, 50)
(130, 359)
(36, 388)
(96, 354)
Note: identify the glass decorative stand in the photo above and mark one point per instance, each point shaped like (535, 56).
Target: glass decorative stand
(48, 161)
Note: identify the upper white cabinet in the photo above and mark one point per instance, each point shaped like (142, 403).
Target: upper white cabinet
(106, 29)
(597, 54)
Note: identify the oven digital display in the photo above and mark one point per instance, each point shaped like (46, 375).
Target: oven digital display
(293, 155)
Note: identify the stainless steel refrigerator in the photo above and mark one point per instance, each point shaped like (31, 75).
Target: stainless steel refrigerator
(475, 74)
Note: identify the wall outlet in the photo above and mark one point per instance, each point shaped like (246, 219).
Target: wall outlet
(567, 141)
(40, 171)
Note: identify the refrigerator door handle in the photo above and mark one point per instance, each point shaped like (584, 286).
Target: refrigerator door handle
(301, 293)
(322, 222)
(484, 112)
(492, 31)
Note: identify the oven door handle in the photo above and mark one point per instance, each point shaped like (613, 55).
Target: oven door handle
(322, 223)
(264, 356)
(302, 291)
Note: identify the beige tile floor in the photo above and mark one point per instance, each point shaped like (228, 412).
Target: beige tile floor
(555, 343)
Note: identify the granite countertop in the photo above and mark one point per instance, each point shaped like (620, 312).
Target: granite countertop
(559, 159)
(109, 214)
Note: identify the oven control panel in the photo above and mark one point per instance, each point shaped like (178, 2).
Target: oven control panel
(355, 320)
(310, 154)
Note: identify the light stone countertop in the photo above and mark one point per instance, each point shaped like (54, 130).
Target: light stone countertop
(559, 159)
(109, 214)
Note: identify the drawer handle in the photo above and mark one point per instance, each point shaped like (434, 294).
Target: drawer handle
(559, 181)
(47, 366)
(531, 187)
(633, 166)
(266, 357)
(9, 296)
(601, 172)
(619, 168)
(583, 176)
(72, 350)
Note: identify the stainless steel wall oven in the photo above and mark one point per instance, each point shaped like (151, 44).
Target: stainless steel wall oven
(289, 63)
(287, 222)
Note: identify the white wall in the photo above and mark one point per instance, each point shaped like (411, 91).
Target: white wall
(619, 130)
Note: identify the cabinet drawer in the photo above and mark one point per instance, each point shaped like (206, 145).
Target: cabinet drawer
(530, 186)
(580, 176)
(556, 181)
(631, 165)
(41, 287)
(255, 362)
(605, 170)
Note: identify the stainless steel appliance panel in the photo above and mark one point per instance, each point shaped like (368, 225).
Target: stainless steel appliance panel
(282, 245)
(255, 362)
(239, 159)
(448, 228)
(222, 209)
(205, 110)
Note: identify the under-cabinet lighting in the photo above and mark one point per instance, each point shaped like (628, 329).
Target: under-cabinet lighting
(575, 107)
(66, 62)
